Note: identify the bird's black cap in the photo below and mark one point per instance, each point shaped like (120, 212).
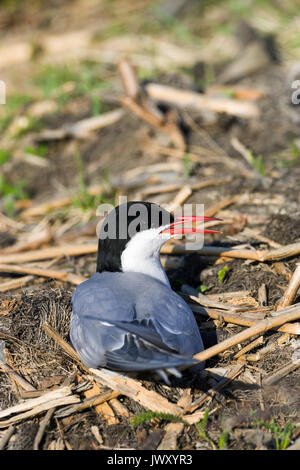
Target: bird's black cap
(121, 224)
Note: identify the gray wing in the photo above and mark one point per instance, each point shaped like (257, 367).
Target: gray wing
(173, 320)
(127, 344)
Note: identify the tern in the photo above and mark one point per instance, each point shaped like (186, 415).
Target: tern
(126, 317)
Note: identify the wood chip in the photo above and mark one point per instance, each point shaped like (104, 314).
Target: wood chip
(278, 374)
(37, 409)
(134, 390)
(15, 283)
(185, 400)
(81, 129)
(292, 289)
(192, 100)
(169, 441)
(103, 408)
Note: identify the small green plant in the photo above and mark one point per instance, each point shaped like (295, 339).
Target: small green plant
(222, 273)
(292, 157)
(257, 163)
(148, 416)
(188, 165)
(112, 30)
(39, 151)
(201, 428)
(14, 104)
(223, 440)
(202, 288)
(83, 198)
(282, 435)
(5, 155)
(31, 124)
(10, 193)
(67, 83)
(51, 78)
(295, 149)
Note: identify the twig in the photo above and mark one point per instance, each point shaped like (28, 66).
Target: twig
(43, 424)
(129, 78)
(168, 128)
(192, 100)
(169, 441)
(134, 390)
(242, 320)
(215, 208)
(261, 353)
(64, 345)
(235, 295)
(257, 255)
(32, 403)
(15, 283)
(253, 344)
(206, 302)
(179, 199)
(262, 295)
(59, 275)
(34, 242)
(118, 407)
(175, 187)
(77, 250)
(20, 380)
(36, 406)
(289, 314)
(81, 129)
(239, 147)
(240, 93)
(231, 374)
(49, 253)
(281, 372)
(185, 399)
(46, 207)
(139, 104)
(87, 403)
(292, 289)
(11, 223)
(102, 408)
(283, 270)
(255, 234)
(5, 439)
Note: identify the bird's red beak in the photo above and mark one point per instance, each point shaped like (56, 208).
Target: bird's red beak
(187, 230)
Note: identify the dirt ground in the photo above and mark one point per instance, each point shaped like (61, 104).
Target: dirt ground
(264, 187)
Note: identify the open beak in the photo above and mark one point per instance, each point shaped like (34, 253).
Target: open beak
(173, 230)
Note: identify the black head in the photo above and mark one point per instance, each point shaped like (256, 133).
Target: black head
(120, 226)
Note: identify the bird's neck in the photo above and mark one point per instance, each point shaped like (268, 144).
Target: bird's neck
(145, 265)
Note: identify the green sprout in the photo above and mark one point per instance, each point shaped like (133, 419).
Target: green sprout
(10, 193)
(202, 288)
(282, 435)
(84, 199)
(257, 163)
(39, 151)
(201, 428)
(222, 273)
(188, 165)
(5, 155)
(223, 440)
(148, 416)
